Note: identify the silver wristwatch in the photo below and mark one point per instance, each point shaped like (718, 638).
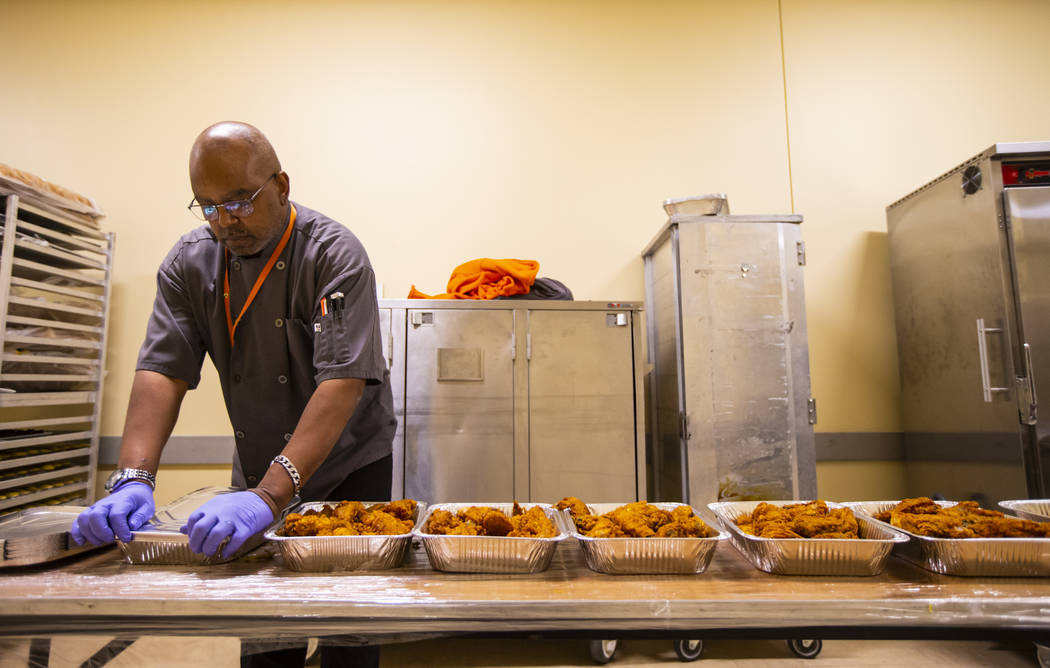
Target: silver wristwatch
(121, 476)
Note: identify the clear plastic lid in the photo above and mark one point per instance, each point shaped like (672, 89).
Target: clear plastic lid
(174, 515)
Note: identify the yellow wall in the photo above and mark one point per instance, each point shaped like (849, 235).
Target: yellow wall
(175, 480)
(883, 97)
(443, 131)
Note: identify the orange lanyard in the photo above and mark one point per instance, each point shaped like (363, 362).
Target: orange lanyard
(231, 324)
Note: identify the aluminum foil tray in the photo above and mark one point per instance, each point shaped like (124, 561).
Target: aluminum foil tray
(162, 543)
(983, 557)
(490, 554)
(621, 556)
(1037, 510)
(341, 553)
(810, 556)
(659, 556)
(39, 535)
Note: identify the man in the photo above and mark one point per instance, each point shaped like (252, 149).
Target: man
(283, 300)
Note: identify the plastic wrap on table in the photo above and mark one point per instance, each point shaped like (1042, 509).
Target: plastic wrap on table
(341, 553)
(99, 593)
(160, 542)
(652, 555)
(39, 535)
(864, 556)
(972, 557)
(490, 554)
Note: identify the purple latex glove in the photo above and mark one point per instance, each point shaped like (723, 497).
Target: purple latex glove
(116, 516)
(237, 516)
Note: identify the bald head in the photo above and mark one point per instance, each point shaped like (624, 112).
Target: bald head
(238, 143)
(231, 161)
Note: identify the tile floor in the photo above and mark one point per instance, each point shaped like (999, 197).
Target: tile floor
(72, 651)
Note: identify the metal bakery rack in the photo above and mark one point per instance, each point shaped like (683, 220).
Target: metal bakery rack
(55, 273)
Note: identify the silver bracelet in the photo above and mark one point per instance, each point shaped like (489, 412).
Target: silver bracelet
(293, 472)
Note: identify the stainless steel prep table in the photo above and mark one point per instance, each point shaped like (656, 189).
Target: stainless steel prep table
(100, 594)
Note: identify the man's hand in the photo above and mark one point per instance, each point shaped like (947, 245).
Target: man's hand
(237, 516)
(116, 516)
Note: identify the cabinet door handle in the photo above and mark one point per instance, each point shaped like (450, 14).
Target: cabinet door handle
(982, 352)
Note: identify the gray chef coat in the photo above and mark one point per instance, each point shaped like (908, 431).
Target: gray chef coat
(284, 347)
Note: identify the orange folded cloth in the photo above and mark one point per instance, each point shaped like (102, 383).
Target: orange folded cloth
(486, 278)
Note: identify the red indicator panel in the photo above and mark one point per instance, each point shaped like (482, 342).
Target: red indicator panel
(1026, 174)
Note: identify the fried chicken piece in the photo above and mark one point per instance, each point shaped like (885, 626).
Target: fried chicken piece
(799, 520)
(836, 520)
(965, 519)
(349, 511)
(475, 514)
(385, 524)
(497, 524)
(920, 505)
(639, 519)
(465, 529)
(767, 512)
(681, 513)
(441, 522)
(351, 518)
(533, 523)
(936, 526)
(777, 530)
(815, 508)
(576, 507)
(585, 523)
(692, 527)
(745, 523)
(402, 509)
(605, 528)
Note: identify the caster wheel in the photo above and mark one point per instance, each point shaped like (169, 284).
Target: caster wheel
(688, 650)
(1042, 655)
(313, 656)
(805, 649)
(602, 651)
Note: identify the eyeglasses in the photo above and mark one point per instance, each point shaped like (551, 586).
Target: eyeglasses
(237, 207)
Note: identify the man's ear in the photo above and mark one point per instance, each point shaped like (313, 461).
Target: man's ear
(283, 187)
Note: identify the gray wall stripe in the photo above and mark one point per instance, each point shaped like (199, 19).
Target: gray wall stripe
(830, 446)
(179, 450)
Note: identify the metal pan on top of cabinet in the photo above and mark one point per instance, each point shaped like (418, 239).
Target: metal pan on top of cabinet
(515, 399)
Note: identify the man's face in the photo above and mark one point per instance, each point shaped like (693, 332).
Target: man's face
(217, 179)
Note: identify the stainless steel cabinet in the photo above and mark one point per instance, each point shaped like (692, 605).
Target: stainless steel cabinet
(459, 405)
(581, 406)
(727, 339)
(969, 256)
(530, 400)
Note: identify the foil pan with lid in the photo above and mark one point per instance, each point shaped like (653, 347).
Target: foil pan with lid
(652, 555)
(159, 541)
(490, 554)
(810, 556)
(983, 557)
(341, 553)
(39, 535)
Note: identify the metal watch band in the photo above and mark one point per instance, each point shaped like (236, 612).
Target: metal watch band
(293, 472)
(127, 475)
